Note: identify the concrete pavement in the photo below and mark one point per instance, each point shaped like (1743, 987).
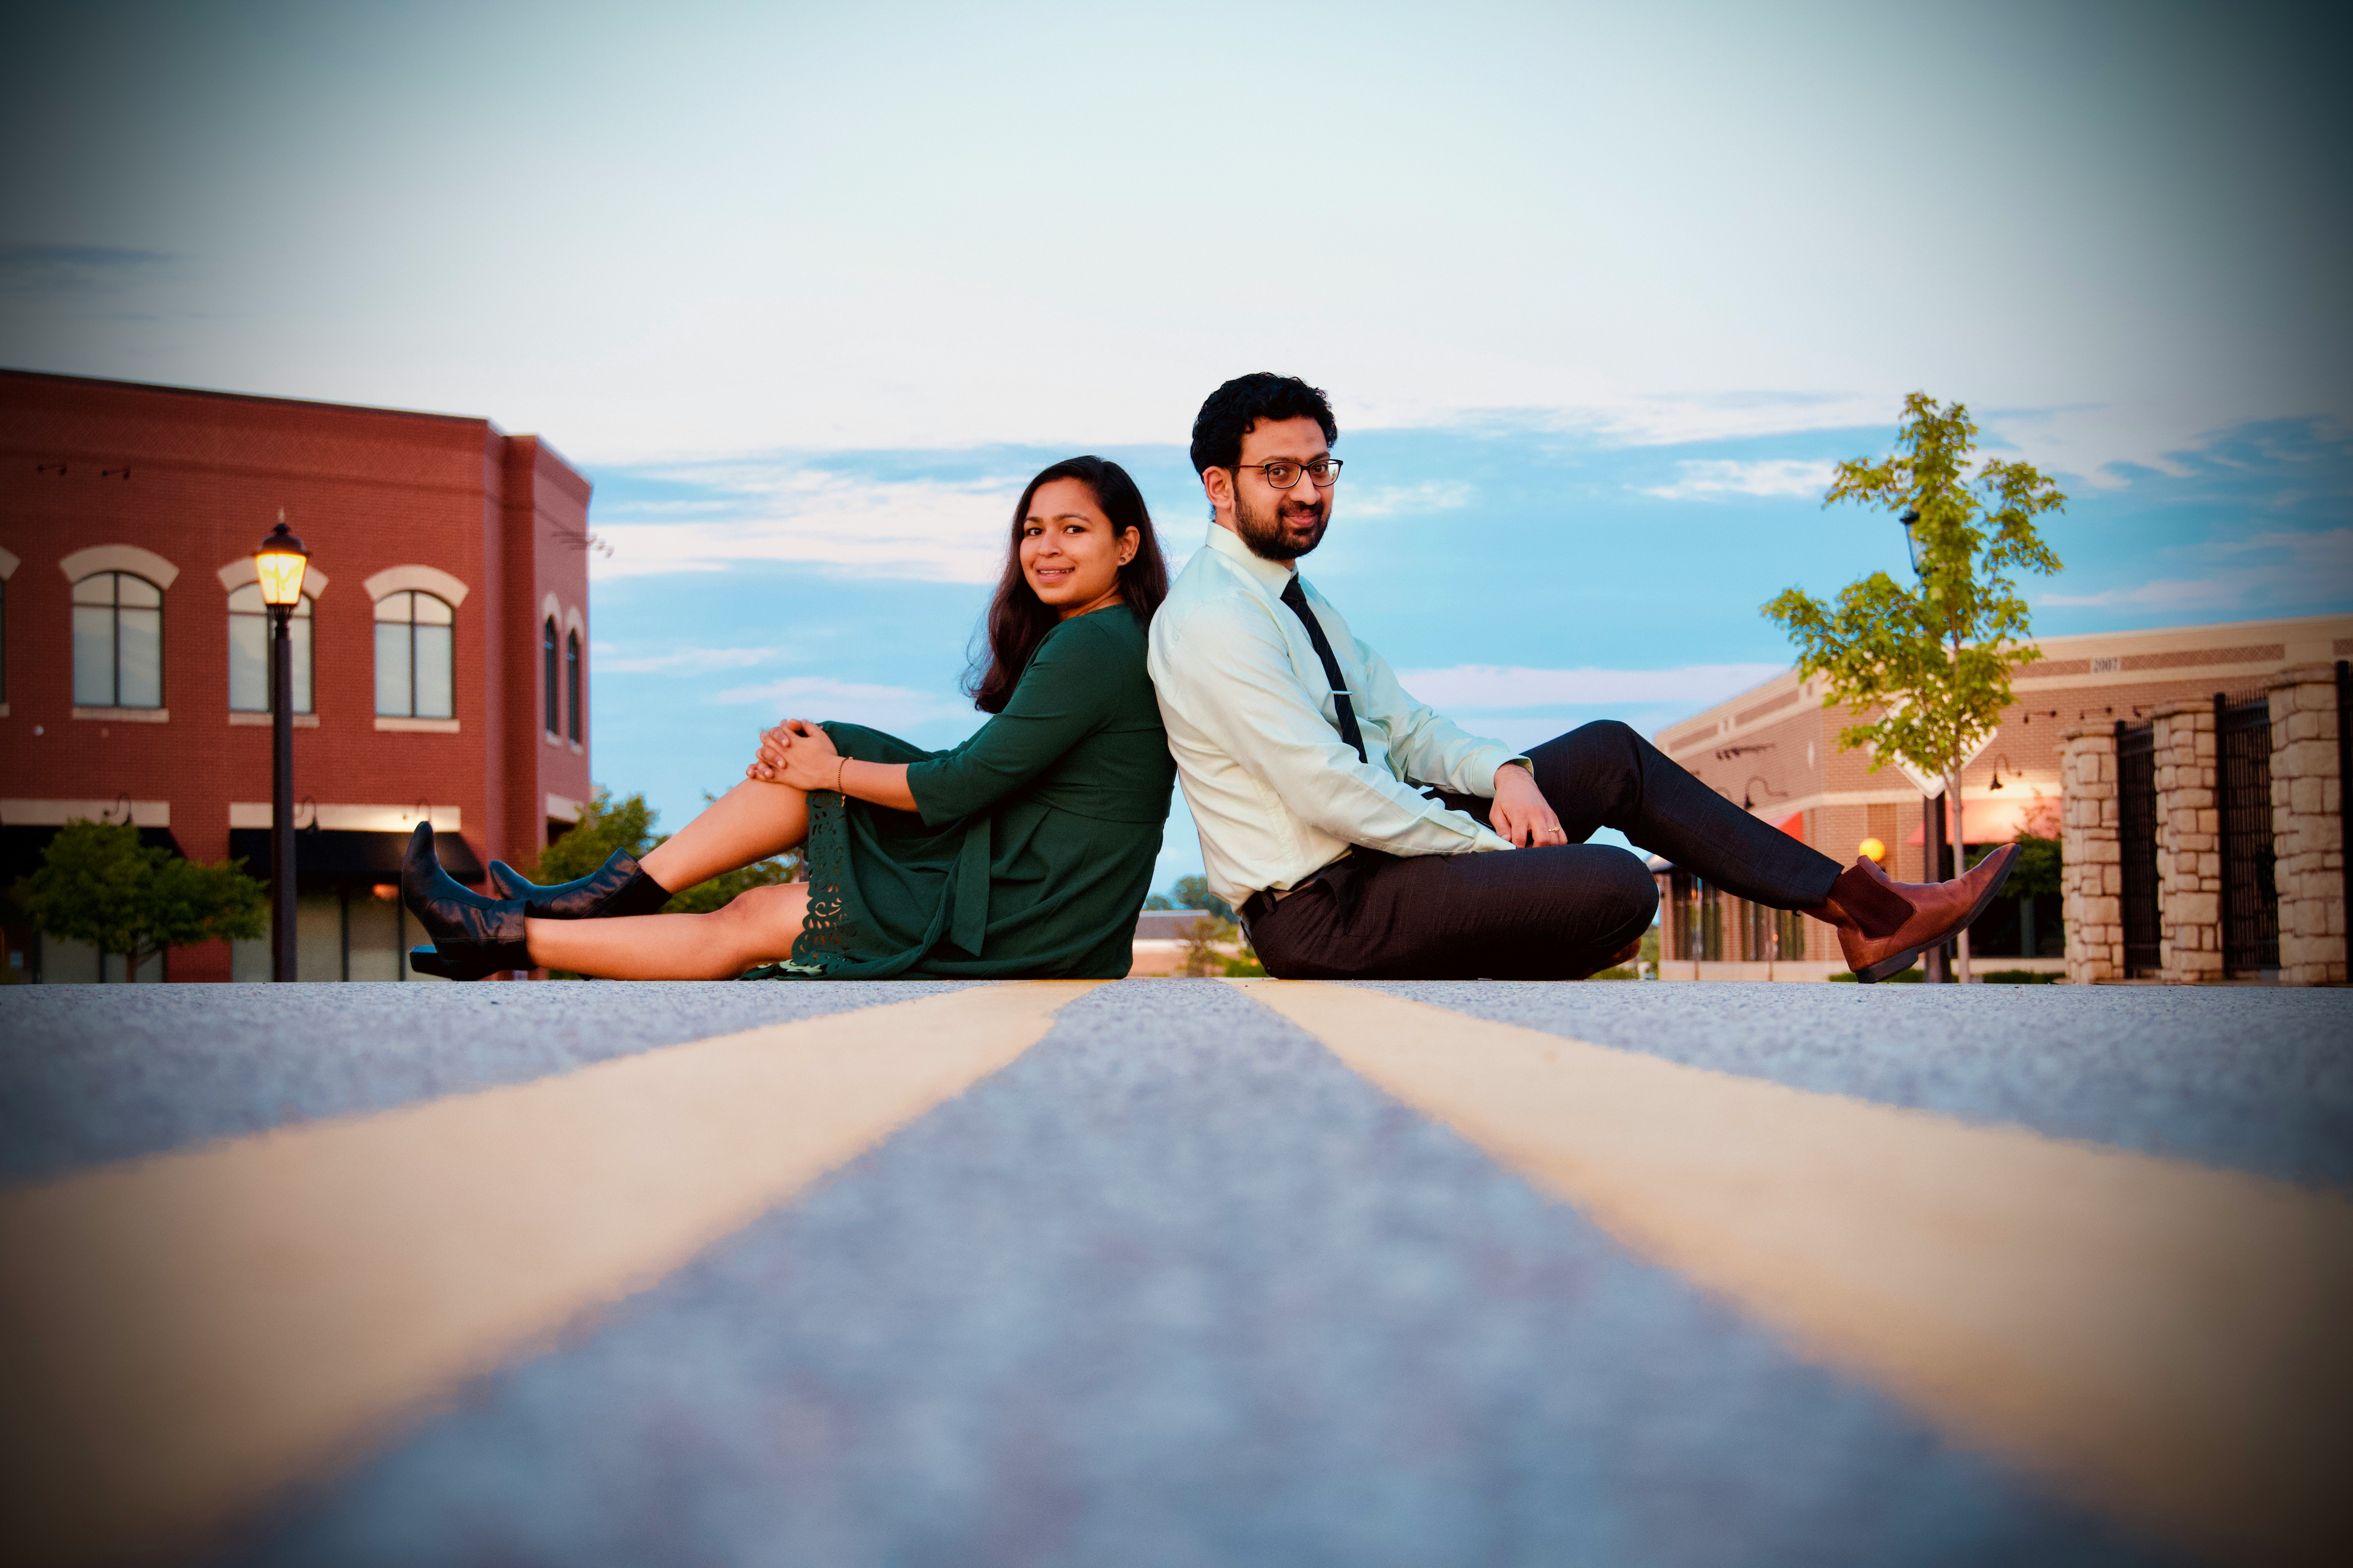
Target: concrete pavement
(1172, 1274)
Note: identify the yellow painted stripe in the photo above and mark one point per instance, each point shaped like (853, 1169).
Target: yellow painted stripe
(2170, 1342)
(182, 1335)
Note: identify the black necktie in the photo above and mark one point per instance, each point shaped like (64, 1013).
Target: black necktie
(1296, 597)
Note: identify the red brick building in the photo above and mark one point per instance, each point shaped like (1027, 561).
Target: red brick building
(442, 660)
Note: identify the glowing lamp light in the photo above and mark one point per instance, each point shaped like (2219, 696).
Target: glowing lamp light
(280, 563)
(1873, 849)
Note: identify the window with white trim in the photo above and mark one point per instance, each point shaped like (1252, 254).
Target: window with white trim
(414, 636)
(248, 651)
(572, 681)
(118, 642)
(547, 676)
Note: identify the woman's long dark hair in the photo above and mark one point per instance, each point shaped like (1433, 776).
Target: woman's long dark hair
(1019, 620)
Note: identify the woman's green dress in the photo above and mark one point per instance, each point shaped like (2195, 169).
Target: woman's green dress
(1031, 845)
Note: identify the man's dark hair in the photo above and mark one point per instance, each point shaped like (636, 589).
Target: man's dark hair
(1242, 403)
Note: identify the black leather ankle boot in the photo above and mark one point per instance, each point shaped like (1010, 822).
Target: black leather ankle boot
(618, 887)
(472, 936)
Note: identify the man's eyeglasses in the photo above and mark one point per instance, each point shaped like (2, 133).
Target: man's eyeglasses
(1282, 476)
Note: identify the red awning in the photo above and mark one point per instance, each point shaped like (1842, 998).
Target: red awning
(1794, 824)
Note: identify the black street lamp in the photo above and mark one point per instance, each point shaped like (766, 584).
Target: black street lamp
(280, 563)
(1910, 520)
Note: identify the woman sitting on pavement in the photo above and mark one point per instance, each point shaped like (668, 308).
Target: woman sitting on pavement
(1026, 851)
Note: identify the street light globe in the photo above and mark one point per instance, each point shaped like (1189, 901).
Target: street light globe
(1873, 849)
(279, 562)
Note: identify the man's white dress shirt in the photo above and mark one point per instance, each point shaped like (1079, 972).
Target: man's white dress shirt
(1275, 792)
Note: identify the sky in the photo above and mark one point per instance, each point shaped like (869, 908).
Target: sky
(1599, 294)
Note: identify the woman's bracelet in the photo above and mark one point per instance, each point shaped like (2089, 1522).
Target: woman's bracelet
(838, 764)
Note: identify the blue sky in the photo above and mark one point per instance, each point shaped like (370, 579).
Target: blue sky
(1599, 291)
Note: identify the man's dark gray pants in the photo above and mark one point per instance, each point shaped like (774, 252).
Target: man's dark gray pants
(1550, 913)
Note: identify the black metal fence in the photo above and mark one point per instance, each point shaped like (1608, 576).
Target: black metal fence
(2136, 842)
(2243, 785)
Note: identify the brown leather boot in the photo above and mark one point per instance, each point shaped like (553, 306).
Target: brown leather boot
(1883, 924)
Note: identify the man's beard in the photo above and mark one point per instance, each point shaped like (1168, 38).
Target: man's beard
(1272, 537)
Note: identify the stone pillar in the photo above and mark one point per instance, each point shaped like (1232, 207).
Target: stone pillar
(2189, 844)
(2307, 825)
(2090, 877)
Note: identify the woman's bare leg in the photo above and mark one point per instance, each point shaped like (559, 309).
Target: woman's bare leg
(750, 822)
(758, 926)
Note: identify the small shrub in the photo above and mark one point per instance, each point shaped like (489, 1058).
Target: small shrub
(99, 884)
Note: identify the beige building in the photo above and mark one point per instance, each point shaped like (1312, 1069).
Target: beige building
(2086, 714)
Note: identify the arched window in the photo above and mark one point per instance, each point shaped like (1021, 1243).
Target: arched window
(118, 642)
(572, 681)
(547, 673)
(413, 638)
(248, 651)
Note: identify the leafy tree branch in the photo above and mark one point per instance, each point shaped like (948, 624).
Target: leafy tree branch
(1934, 660)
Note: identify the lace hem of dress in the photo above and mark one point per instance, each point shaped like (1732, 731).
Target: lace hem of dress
(826, 854)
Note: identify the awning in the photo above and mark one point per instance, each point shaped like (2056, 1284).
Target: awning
(1794, 824)
(21, 849)
(352, 854)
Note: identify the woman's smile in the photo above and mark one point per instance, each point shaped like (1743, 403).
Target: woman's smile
(1069, 551)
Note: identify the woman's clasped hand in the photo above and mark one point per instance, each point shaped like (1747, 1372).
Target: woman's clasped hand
(799, 754)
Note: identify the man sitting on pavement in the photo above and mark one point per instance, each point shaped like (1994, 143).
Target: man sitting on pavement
(1359, 832)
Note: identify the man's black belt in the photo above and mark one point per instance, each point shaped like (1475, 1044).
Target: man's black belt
(1261, 904)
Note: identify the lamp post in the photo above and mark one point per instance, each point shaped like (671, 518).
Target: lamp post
(279, 564)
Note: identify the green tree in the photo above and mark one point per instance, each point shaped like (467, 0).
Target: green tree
(606, 824)
(99, 884)
(1932, 661)
(1193, 893)
(2038, 868)
(1205, 942)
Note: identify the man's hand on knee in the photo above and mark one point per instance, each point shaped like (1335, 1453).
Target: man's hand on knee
(1521, 814)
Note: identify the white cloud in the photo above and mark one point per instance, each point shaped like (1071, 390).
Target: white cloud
(1639, 420)
(1489, 688)
(684, 661)
(2316, 568)
(1394, 500)
(822, 697)
(1771, 477)
(936, 530)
